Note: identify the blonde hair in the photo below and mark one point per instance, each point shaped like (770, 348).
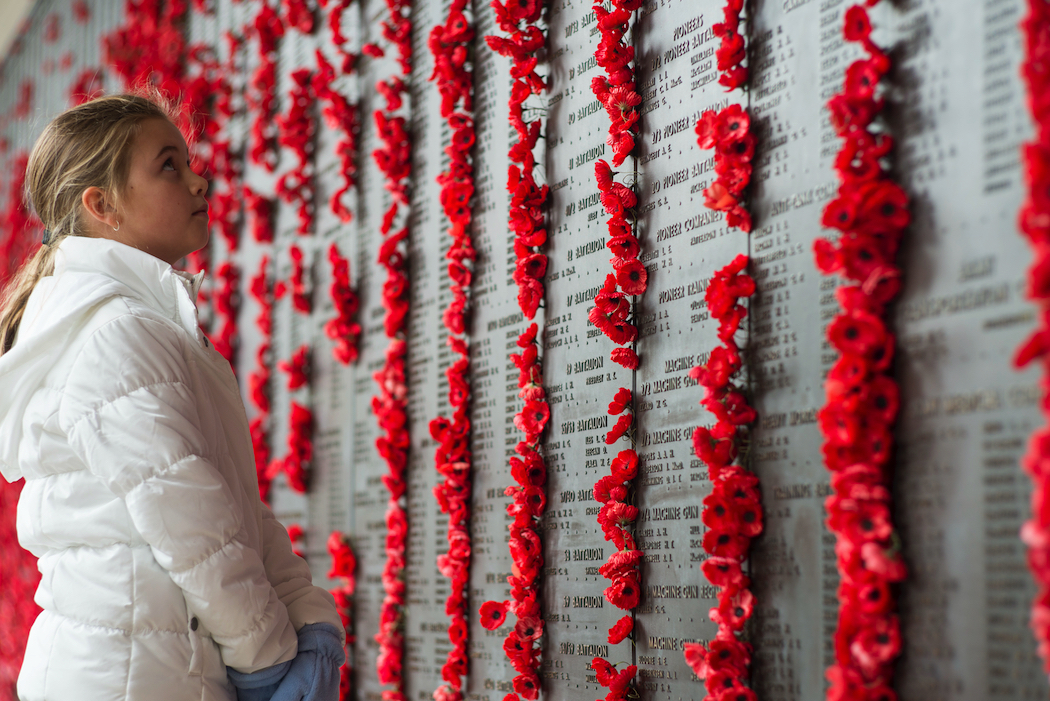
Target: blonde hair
(85, 146)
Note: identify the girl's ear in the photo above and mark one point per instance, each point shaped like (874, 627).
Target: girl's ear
(96, 203)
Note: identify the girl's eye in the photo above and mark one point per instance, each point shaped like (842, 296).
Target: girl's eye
(169, 164)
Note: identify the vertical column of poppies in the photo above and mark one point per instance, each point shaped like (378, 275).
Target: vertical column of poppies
(390, 404)
(296, 463)
(259, 390)
(870, 214)
(733, 510)
(524, 39)
(261, 97)
(342, 329)
(339, 114)
(1034, 222)
(449, 44)
(728, 132)
(612, 315)
(208, 95)
(344, 565)
(296, 130)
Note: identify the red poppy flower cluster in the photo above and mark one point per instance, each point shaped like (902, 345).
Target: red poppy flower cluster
(525, 37)
(338, 114)
(335, 9)
(1034, 222)
(729, 133)
(529, 499)
(259, 379)
(298, 14)
(207, 102)
(449, 44)
(611, 315)
(261, 99)
(616, 89)
(261, 209)
(301, 301)
(344, 566)
(623, 568)
(870, 212)
(390, 405)
(295, 130)
(732, 51)
(733, 511)
(19, 572)
(224, 302)
(391, 409)
(20, 226)
(297, 367)
(296, 464)
(342, 329)
(149, 47)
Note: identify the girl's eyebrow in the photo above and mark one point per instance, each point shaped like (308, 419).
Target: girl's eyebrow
(164, 150)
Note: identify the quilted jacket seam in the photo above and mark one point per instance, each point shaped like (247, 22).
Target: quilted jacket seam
(94, 411)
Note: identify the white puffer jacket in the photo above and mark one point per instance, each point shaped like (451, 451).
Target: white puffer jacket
(160, 565)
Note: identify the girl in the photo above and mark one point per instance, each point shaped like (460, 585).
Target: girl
(164, 577)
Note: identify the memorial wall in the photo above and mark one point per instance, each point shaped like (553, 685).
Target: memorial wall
(956, 107)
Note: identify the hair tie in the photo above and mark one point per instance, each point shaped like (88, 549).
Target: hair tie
(47, 237)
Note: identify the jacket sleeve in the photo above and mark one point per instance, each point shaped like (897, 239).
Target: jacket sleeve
(290, 576)
(129, 412)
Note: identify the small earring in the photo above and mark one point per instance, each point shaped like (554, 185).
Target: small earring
(117, 227)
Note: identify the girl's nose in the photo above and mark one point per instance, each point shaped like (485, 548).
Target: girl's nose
(198, 185)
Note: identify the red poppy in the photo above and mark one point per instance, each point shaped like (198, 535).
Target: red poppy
(620, 402)
(625, 465)
(533, 418)
(631, 276)
(619, 632)
(726, 543)
(734, 609)
(621, 563)
(857, 26)
(731, 51)
(624, 592)
(619, 428)
(625, 357)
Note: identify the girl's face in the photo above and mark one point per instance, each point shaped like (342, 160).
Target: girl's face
(163, 211)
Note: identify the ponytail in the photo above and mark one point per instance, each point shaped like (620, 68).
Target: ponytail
(15, 295)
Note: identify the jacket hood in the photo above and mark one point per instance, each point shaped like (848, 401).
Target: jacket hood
(88, 272)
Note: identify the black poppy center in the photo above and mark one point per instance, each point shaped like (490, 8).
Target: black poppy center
(749, 517)
(723, 539)
(881, 402)
(720, 510)
(866, 524)
(852, 333)
(882, 638)
(874, 595)
(738, 612)
(888, 209)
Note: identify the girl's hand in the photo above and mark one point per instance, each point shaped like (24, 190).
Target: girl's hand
(314, 674)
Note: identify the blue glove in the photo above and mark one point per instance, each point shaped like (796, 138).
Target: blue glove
(258, 686)
(314, 675)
